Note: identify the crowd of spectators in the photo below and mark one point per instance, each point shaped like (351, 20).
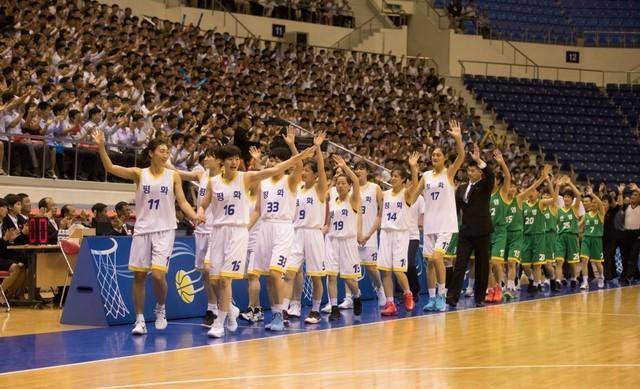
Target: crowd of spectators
(330, 12)
(71, 67)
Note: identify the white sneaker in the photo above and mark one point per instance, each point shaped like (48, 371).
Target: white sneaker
(346, 304)
(161, 319)
(294, 309)
(140, 328)
(600, 283)
(584, 285)
(217, 329)
(232, 318)
(382, 299)
(326, 308)
(469, 292)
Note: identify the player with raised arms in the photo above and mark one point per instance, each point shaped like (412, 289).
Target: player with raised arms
(231, 217)
(157, 190)
(567, 243)
(498, 211)
(394, 238)
(342, 238)
(440, 214)
(276, 235)
(591, 248)
(308, 245)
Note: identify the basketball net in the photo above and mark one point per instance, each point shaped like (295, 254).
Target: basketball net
(107, 276)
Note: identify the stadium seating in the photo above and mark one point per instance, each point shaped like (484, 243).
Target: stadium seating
(573, 121)
(627, 97)
(607, 23)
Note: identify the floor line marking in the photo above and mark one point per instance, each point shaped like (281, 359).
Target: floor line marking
(580, 313)
(372, 371)
(311, 332)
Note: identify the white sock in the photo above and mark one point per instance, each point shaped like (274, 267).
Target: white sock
(222, 316)
(389, 299)
(276, 308)
(472, 282)
(160, 307)
(432, 292)
(334, 301)
(380, 291)
(347, 295)
(511, 285)
(212, 307)
(140, 318)
(442, 290)
(295, 303)
(357, 295)
(285, 303)
(316, 305)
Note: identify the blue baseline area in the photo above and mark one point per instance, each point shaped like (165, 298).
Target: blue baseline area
(78, 346)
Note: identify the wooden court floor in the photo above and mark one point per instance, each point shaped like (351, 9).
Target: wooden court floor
(589, 340)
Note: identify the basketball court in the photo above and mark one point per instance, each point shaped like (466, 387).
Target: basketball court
(570, 340)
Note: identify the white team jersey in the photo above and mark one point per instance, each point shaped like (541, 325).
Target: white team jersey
(440, 214)
(369, 210)
(343, 222)
(333, 192)
(253, 232)
(155, 203)
(310, 209)
(394, 211)
(415, 210)
(204, 228)
(230, 205)
(278, 203)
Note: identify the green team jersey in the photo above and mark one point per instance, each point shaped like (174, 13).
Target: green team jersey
(514, 216)
(533, 218)
(593, 225)
(498, 211)
(567, 221)
(550, 220)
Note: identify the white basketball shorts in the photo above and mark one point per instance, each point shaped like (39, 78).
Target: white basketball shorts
(151, 251)
(436, 243)
(273, 247)
(227, 251)
(394, 249)
(309, 247)
(202, 245)
(342, 258)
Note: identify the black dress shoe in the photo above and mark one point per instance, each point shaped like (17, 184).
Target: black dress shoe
(480, 304)
(451, 302)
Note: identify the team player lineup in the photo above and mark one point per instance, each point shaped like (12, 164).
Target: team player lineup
(273, 222)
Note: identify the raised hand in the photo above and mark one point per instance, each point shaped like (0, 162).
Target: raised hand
(454, 129)
(621, 188)
(98, 137)
(319, 138)
(307, 153)
(634, 187)
(475, 153)
(497, 155)
(290, 137)
(589, 190)
(545, 171)
(339, 161)
(413, 159)
(255, 153)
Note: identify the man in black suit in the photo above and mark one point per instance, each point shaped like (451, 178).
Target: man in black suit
(15, 220)
(473, 200)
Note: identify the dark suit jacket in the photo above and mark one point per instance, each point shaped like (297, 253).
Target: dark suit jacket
(7, 223)
(476, 218)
